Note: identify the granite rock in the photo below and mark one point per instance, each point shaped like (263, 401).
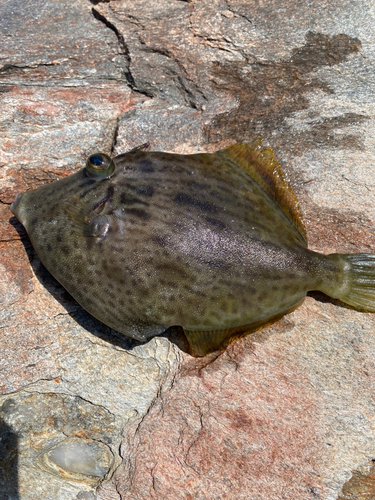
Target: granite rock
(285, 413)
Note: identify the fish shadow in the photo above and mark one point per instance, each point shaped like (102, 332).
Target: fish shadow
(174, 334)
(325, 299)
(8, 461)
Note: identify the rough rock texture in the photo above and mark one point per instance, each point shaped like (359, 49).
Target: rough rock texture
(286, 413)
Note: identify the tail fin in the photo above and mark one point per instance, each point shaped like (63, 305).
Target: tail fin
(360, 289)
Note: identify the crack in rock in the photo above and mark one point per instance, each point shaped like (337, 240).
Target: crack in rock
(124, 50)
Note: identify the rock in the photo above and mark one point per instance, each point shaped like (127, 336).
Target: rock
(361, 485)
(285, 413)
(60, 439)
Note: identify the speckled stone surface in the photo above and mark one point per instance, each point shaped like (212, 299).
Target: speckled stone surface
(284, 414)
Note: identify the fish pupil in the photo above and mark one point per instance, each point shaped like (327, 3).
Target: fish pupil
(97, 160)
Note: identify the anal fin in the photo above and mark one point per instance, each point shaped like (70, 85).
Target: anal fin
(203, 342)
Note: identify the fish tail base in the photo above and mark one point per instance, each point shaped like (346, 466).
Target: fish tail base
(359, 282)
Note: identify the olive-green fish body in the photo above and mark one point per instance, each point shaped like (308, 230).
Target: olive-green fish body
(211, 242)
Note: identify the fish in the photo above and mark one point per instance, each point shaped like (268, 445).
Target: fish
(210, 242)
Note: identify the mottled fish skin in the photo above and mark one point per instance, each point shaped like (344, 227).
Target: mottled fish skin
(189, 240)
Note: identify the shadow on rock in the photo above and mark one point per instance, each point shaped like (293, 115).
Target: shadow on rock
(8, 461)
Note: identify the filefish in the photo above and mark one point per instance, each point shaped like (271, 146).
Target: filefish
(211, 242)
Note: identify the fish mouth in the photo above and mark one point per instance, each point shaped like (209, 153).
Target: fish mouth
(15, 206)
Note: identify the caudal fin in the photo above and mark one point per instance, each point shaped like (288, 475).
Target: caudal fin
(360, 289)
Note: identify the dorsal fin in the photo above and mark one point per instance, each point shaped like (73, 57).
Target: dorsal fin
(261, 165)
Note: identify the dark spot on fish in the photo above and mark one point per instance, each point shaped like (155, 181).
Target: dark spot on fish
(110, 191)
(49, 248)
(171, 298)
(143, 190)
(90, 243)
(216, 223)
(114, 248)
(185, 199)
(34, 220)
(52, 192)
(89, 300)
(188, 289)
(168, 284)
(146, 166)
(65, 249)
(227, 283)
(197, 185)
(128, 199)
(53, 263)
(159, 240)
(292, 289)
(58, 238)
(138, 212)
(176, 158)
(261, 297)
(218, 264)
(171, 270)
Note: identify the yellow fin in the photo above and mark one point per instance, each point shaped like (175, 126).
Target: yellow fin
(85, 219)
(202, 342)
(261, 165)
(79, 213)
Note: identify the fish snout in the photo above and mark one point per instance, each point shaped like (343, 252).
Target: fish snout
(16, 207)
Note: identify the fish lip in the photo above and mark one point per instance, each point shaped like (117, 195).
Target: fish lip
(15, 205)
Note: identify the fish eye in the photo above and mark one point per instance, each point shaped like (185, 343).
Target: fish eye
(99, 166)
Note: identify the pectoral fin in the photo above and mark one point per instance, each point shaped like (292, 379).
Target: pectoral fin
(86, 221)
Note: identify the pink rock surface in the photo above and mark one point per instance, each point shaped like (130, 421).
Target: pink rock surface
(274, 416)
